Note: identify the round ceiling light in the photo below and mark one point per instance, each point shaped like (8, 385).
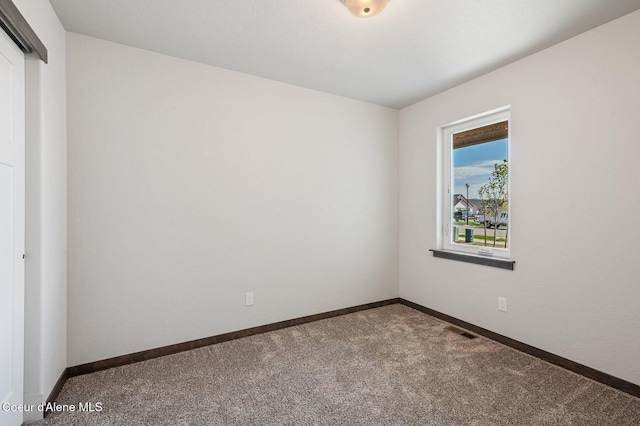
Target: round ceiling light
(365, 8)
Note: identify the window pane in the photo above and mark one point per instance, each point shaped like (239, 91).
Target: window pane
(480, 191)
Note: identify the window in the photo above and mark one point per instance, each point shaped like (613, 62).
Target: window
(476, 179)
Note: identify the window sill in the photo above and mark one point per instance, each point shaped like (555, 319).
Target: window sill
(474, 258)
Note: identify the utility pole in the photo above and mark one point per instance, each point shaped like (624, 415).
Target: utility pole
(467, 185)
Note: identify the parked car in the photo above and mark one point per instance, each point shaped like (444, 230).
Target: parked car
(490, 221)
(462, 215)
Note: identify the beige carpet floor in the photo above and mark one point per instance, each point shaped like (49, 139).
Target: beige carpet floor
(386, 366)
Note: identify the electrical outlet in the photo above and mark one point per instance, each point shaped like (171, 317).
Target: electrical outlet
(248, 299)
(502, 304)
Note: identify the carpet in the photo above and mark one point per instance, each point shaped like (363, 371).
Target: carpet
(386, 366)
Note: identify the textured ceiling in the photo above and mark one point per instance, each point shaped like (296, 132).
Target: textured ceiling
(412, 50)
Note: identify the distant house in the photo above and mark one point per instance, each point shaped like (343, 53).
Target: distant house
(461, 204)
(476, 205)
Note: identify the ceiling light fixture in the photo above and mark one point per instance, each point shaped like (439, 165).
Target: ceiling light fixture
(365, 8)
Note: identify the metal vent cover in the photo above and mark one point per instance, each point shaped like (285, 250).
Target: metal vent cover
(461, 332)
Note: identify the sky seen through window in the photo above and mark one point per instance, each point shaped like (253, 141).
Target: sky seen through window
(474, 164)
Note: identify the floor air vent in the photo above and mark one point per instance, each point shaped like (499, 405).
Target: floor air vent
(456, 330)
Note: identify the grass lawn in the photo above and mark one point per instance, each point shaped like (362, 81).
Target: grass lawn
(464, 222)
(478, 240)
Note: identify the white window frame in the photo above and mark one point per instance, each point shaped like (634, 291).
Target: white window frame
(446, 133)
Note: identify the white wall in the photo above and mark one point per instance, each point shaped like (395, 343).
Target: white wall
(190, 185)
(46, 219)
(575, 156)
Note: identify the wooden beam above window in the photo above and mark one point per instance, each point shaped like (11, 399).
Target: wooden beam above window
(490, 133)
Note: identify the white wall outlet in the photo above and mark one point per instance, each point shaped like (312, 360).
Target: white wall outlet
(502, 304)
(248, 299)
